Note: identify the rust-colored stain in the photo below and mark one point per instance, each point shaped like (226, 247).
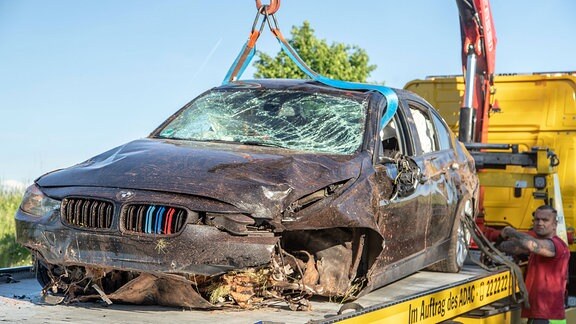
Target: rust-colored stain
(254, 193)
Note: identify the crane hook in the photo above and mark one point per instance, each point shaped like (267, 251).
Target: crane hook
(270, 8)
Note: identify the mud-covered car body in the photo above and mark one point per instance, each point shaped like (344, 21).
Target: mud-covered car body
(289, 179)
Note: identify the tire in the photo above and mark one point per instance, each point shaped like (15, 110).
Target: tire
(459, 240)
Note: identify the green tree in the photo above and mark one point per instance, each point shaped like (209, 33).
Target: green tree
(11, 253)
(336, 61)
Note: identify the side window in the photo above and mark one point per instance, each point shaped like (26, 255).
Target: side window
(444, 140)
(390, 140)
(425, 128)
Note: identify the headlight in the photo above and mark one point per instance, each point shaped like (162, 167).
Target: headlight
(311, 199)
(35, 203)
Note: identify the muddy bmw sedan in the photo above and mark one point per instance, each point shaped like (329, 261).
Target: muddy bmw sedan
(253, 193)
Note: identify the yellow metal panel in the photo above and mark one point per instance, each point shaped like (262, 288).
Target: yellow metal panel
(536, 110)
(506, 179)
(571, 315)
(509, 317)
(444, 304)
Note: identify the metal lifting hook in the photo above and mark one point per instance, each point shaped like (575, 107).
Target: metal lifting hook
(249, 48)
(270, 9)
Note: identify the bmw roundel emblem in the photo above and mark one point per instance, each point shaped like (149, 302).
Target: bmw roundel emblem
(125, 195)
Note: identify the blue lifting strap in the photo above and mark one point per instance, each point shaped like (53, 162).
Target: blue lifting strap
(247, 53)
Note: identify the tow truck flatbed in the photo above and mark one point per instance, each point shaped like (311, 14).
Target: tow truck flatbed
(425, 297)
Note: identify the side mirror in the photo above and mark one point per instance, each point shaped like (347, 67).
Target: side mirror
(407, 178)
(385, 160)
(389, 156)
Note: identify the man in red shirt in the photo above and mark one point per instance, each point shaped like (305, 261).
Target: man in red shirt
(547, 271)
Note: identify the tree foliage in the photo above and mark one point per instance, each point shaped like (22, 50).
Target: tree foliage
(11, 253)
(336, 61)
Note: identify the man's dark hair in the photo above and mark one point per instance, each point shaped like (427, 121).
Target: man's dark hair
(547, 207)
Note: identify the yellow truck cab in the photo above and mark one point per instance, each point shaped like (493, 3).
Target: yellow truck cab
(535, 110)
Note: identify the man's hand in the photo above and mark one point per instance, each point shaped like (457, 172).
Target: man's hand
(521, 243)
(504, 233)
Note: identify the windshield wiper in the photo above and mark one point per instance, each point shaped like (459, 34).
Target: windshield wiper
(255, 143)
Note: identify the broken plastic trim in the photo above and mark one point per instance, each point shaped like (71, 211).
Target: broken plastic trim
(408, 177)
(295, 273)
(310, 200)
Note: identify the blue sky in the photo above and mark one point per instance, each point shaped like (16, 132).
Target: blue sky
(80, 77)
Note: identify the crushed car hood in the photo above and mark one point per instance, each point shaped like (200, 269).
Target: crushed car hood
(248, 177)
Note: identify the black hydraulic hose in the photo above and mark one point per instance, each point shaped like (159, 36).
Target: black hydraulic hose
(497, 257)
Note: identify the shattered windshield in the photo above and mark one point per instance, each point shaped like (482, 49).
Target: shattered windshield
(297, 120)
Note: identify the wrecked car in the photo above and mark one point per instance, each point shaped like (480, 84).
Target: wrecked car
(254, 192)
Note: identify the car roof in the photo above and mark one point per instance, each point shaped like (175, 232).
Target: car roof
(288, 84)
(310, 86)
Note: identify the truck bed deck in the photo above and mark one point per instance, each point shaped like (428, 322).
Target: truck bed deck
(425, 297)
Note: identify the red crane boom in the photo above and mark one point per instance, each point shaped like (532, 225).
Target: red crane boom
(478, 64)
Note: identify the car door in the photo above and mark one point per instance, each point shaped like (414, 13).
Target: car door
(403, 210)
(437, 161)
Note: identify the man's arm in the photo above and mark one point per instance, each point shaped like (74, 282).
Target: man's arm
(513, 248)
(522, 243)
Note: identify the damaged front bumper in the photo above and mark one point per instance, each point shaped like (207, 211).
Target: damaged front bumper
(202, 267)
(180, 270)
(199, 249)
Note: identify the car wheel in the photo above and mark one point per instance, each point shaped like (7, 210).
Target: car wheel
(459, 240)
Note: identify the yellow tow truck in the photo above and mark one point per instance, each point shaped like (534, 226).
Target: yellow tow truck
(536, 112)
(520, 130)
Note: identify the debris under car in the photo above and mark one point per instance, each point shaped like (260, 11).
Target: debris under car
(254, 193)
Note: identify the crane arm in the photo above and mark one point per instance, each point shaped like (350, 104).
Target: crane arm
(478, 65)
